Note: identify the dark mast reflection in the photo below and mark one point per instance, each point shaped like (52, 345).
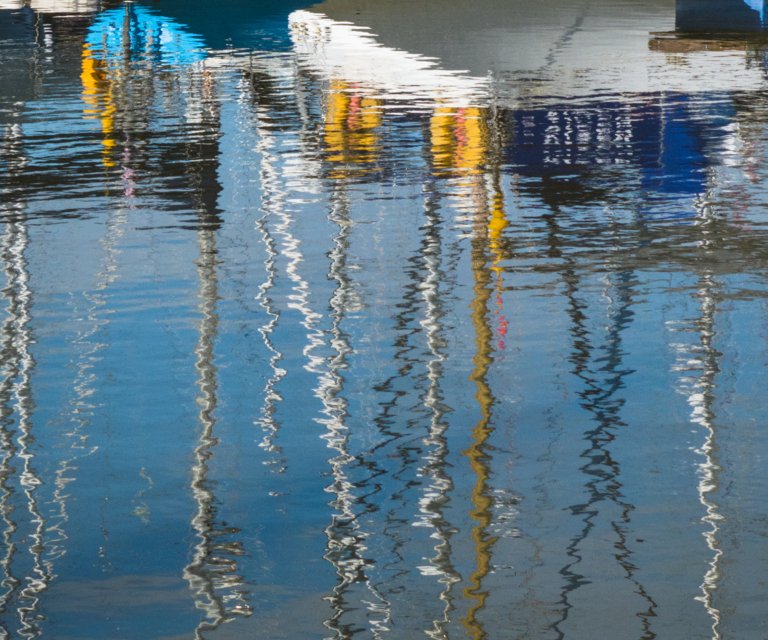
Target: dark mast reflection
(213, 574)
(603, 378)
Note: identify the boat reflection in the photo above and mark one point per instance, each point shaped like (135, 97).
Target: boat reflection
(366, 315)
(59, 7)
(351, 131)
(719, 16)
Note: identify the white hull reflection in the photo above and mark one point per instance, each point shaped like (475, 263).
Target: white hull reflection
(587, 55)
(345, 51)
(67, 7)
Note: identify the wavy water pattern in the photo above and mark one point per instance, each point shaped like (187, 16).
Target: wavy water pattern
(416, 320)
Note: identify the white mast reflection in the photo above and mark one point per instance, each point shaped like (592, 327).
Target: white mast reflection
(700, 400)
(272, 203)
(9, 252)
(212, 573)
(346, 546)
(39, 577)
(17, 401)
(697, 382)
(435, 493)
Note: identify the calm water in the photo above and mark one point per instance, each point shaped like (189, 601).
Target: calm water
(383, 319)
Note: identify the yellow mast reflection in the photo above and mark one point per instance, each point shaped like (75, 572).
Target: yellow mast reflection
(478, 458)
(98, 95)
(461, 149)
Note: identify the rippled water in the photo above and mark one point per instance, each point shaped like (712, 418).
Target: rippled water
(383, 319)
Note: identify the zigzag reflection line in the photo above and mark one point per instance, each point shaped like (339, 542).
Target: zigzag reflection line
(701, 413)
(697, 383)
(345, 548)
(435, 492)
(272, 202)
(80, 407)
(21, 394)
(11, 370)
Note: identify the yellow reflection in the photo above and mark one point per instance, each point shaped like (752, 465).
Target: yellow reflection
(497, 223)
(487, 255)
(478, 459)
(459, 140)
(99, 99)
(350, 129)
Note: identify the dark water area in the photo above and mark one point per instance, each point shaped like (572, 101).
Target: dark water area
(383, 320)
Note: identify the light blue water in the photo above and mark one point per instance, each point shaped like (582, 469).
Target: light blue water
(383, 320)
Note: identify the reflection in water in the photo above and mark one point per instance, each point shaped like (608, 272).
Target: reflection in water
(350, 144)
(697, 366)
(437, 491)
(461, 144)
(402, 211)
(212, 574)
(98, 95)
(271, 397)
(21, 533)
(271, 204)
(604, 377)
(479, 460)
(346, 541)
(24, 578)
(350, 130)
(720, 15)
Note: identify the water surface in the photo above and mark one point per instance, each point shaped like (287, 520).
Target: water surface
(383, 320)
